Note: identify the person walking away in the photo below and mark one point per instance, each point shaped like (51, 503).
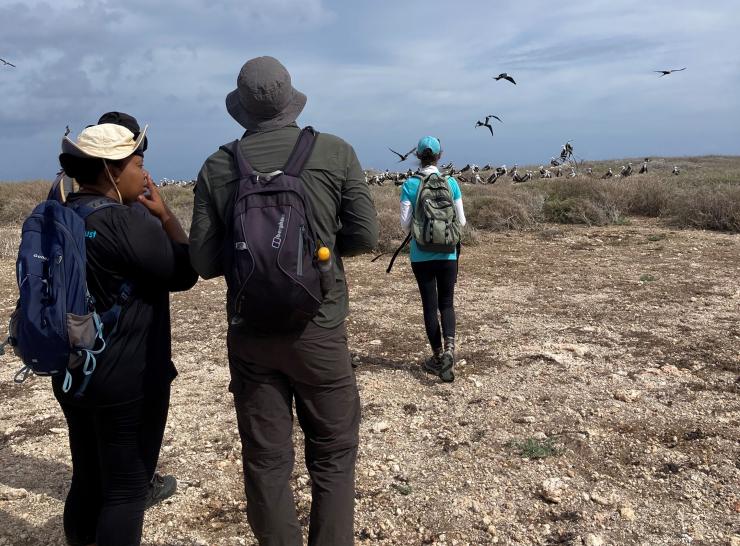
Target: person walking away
(435, 249)
(272, 212)
(132, 240)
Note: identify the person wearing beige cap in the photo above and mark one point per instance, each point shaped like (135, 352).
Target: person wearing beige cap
(137, 253)
(311, 365)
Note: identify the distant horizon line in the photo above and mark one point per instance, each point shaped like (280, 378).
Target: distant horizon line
(523, 165)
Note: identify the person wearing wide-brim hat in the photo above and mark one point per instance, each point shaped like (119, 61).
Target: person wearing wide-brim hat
(312, 367)
(134, 247)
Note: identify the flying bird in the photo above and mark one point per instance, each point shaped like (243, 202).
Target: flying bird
(67, 130)
(666, 72)
(403, 156)
(6, 63)
(504, 76)
(486, 123)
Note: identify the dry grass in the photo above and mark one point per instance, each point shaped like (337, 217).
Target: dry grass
(706, 196)
(17, 200)
(504, 208)
(580, 201)
(180, 201)
(718, 209)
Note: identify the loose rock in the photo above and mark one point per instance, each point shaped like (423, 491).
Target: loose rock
(627, 395)
(380, 426)
(552, 490)
(627, 513)
(601, 499)
(12, 493)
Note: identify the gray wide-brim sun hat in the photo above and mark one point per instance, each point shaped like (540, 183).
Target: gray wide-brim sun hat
(264, 97)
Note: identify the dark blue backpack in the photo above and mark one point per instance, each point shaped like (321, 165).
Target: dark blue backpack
(55, 328)
(270, 256)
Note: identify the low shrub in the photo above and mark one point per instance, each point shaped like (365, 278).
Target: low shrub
(504, 209)
(533, 448)
(718, 209)
(580, 210)
(706, 196)
(643, 195)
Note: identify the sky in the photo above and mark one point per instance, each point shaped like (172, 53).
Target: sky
(378, 74)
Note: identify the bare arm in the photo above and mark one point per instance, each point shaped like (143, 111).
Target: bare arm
(157, 207)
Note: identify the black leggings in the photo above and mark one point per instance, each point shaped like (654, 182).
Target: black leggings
(114, 454)
(436, 280)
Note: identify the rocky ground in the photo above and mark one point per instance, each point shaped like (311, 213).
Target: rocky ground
(596, 402)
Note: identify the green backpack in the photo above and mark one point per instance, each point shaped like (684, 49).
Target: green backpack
(434, 226)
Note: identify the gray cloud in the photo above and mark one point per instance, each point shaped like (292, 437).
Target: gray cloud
(377, 74)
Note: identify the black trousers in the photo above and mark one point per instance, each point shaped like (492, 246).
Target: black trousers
(313, 370)
(436, 280)
(114, 454)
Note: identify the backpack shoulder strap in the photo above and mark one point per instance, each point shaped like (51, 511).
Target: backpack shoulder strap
(56, 193)
(447, 178)
(110, 317)
(84, 210)
(228, 148)
(423, 179)
(301, 151)
(243, 166)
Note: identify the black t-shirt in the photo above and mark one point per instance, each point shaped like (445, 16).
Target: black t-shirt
(126, 243)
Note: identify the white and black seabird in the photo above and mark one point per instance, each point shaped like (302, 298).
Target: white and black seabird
(402, 156)
(486, 123)
(504, 76)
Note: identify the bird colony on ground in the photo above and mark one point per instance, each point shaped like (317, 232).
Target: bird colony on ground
(488, 174)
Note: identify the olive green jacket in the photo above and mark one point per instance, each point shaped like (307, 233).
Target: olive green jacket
(343, 209)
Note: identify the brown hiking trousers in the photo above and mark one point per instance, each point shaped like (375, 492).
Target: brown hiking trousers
(267, 375)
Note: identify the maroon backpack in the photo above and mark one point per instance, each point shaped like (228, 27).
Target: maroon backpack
(270, 263)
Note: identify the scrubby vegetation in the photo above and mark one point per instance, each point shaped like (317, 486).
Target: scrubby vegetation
(706, 195)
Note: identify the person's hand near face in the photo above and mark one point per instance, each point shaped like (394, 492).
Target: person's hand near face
(152, 200)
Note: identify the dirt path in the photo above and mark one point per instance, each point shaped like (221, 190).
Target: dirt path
(615, 347)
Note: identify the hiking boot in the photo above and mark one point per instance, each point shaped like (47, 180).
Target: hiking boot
(447, 361)
(433, 364)
(160, 488)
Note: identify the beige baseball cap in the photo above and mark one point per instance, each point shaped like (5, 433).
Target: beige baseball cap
(105, 141)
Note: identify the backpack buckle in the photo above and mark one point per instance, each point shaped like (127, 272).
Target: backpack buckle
(266, 177)
(22, 374)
